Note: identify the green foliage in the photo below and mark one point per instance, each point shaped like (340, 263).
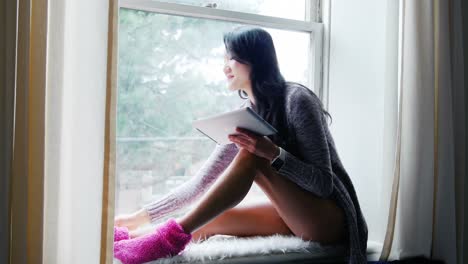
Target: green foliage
(163, 86)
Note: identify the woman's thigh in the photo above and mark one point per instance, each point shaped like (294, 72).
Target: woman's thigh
(306, 215)
(260, 219)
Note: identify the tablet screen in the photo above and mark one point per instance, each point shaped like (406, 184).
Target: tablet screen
(219, 127)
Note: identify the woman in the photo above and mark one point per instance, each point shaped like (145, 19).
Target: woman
(310, 194)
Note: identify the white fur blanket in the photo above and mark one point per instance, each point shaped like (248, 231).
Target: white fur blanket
(233, 249)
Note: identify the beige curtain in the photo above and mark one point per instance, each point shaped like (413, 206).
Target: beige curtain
(63, 162)
(430, 136)
(7, 85)
(27, 178)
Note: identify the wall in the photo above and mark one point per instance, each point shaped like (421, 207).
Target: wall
(76, 96)
(362, 99)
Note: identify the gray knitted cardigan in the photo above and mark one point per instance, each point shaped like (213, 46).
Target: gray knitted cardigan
(311, 161)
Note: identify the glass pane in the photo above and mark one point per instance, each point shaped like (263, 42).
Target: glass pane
(169, 75)
(276, 8)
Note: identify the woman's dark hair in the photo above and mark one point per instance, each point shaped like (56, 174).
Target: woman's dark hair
(254, 47)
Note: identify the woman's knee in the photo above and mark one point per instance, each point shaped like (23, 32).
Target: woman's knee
(245, 157)
(257, 165)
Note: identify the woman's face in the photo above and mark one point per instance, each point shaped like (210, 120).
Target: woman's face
(237, 74)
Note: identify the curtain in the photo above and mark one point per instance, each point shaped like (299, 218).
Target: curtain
(62, 169)
(429, 150)
(7, 84)
(27, 174)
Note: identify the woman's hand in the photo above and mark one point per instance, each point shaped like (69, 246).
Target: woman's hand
(132, 221)
(258, 145)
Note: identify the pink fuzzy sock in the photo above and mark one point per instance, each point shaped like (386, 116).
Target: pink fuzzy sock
(120, 233)
(167, 240)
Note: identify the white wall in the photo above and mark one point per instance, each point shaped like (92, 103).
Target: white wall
(76, 96)
(362, 97)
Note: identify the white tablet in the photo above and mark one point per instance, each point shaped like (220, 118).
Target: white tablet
(219, 127)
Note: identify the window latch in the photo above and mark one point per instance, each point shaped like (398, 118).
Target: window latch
(211, 5)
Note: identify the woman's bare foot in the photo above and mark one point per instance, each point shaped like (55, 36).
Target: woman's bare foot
(132, 221)
(142, 230)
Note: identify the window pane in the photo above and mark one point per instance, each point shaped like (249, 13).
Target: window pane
(277, 8)
(170, 73)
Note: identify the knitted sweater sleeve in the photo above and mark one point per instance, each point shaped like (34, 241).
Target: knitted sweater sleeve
(313, 172)
(191, 190)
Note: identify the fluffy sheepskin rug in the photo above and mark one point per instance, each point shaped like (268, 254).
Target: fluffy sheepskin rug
(222, 247)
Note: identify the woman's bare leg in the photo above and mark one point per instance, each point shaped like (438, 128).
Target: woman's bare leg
(229, 190)
(260, 219)
(305, 214)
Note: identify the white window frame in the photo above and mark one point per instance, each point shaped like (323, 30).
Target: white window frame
(314, 29)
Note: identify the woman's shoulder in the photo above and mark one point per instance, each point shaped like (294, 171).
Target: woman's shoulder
(299, 97)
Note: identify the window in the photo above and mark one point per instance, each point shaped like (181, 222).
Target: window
(170, 73)
(283, 8)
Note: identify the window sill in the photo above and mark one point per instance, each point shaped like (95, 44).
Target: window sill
(273, 249)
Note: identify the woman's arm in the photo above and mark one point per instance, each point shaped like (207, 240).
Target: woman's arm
(314, 172)
(191, 190)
